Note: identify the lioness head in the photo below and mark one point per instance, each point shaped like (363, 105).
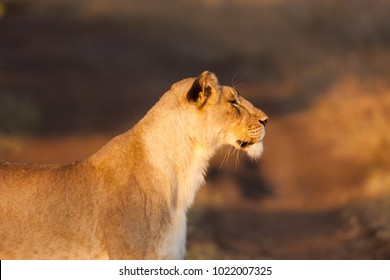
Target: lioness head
(235, 120)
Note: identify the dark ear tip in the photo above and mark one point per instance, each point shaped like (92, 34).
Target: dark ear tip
(193, 93)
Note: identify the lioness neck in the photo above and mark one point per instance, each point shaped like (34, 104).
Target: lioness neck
(168, 143)
(177, 147)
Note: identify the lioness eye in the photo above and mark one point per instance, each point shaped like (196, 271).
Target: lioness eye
(233, 102)
(235, 105)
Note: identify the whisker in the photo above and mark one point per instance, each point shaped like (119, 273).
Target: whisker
(234, 79)
(227, 154)
(237, 80)
(237, 158)
(223, 160)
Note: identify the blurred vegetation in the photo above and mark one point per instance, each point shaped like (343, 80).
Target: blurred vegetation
(18, 115)
(2, 9)
(355, 116)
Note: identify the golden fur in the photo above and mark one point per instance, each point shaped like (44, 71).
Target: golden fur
(129, 200)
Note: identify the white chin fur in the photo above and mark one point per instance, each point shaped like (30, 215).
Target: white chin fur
(255, 151)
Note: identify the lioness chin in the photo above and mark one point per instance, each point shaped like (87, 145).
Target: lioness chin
(129, 200)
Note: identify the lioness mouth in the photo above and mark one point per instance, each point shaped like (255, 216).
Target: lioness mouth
(244, 144)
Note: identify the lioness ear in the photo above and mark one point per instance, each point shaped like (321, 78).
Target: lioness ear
(203, 88)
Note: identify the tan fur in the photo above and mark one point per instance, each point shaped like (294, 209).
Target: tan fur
(129, 200)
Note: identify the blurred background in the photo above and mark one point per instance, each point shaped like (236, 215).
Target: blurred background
(73, 74)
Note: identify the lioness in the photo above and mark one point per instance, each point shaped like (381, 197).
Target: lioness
(129, 200)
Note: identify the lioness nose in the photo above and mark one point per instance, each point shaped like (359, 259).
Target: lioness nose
(264, 121)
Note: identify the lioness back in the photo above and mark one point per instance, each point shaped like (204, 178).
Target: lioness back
(44, 212)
